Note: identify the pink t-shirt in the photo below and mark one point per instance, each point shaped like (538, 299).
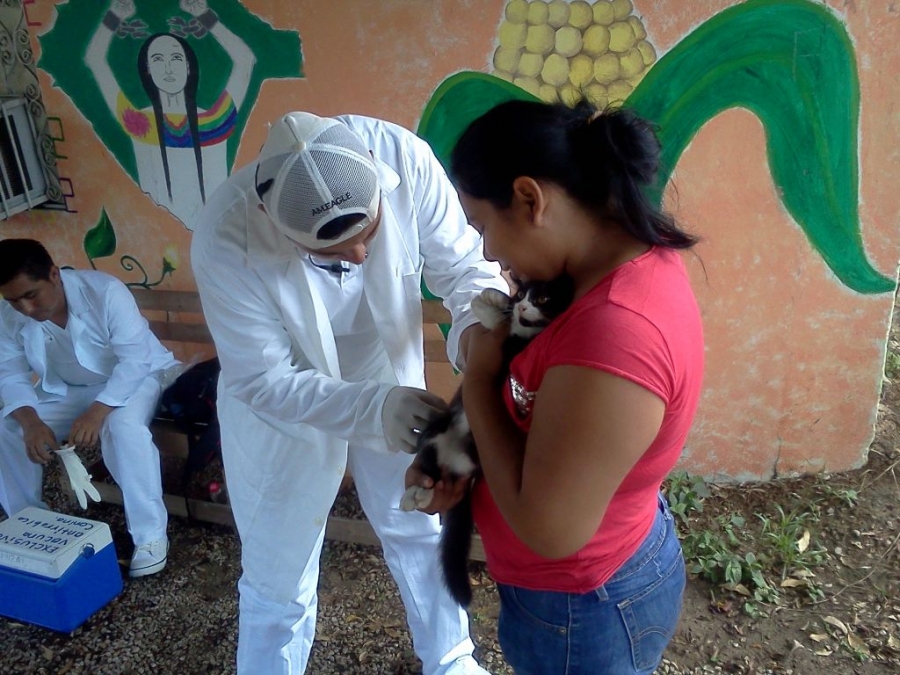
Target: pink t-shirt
(642, 323)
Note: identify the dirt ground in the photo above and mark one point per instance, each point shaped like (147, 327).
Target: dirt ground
(854, 627)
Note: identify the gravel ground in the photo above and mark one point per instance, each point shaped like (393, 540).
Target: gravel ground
(183, 621)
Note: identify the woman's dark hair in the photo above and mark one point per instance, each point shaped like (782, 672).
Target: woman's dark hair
(604, 160)
(24, 256)
(190, 103)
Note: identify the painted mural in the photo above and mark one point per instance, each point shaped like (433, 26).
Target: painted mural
(781, 152)
(100, 242)
(790, 62)
(563, 51)
(170, 85)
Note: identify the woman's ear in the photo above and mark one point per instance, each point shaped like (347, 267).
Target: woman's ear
(529, 196)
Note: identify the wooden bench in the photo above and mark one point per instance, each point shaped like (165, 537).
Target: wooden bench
(176, 318)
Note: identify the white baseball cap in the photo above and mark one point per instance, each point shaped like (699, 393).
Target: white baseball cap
(319, 170)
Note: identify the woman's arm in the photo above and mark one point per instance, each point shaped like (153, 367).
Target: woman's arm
(588, 430)
(95, 57)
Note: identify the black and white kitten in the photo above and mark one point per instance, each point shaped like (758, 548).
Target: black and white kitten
(446, 445)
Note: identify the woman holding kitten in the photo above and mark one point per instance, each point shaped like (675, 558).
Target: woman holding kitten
(575, 440)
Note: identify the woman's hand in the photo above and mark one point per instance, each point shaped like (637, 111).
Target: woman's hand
(446, 493)
(484, 357)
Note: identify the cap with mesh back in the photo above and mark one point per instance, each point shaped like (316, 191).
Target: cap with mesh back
(319, 170)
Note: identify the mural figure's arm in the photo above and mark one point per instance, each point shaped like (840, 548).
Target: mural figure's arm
(95, 57)
(242, 57)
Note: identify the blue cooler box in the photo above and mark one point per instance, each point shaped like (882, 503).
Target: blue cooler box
(56, 570)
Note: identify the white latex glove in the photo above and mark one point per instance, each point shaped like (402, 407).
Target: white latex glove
(406, 412)
(79, 478)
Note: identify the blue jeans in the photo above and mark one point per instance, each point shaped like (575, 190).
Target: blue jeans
(620, 628)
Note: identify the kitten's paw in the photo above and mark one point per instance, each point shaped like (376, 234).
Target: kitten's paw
(491, 307)
(416, 497)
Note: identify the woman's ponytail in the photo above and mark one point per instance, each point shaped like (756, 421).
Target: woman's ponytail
(618, 154)
(604, 160)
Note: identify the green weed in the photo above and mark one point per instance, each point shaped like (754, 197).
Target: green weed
(685, 494)
(892, 365)
(763, 560)
(847, 496)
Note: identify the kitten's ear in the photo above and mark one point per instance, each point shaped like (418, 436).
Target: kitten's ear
(529, 196)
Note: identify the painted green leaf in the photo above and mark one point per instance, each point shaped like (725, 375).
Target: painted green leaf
(457, 102)
(100, 240)
(792, 64)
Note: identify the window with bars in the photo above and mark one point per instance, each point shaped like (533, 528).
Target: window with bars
(22, 182)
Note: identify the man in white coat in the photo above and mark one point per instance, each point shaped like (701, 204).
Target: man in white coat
(99, 373)
(309, 262)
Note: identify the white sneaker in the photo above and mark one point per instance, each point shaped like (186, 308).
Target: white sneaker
(149, 558)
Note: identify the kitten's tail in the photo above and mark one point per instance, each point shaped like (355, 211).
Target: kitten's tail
(456, 543)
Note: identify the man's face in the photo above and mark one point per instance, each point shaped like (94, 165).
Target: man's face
(38, 299)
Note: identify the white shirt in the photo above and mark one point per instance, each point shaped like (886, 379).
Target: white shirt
(109, 337)
(62, 360)
(361, 354)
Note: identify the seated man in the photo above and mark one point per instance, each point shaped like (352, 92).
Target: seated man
(98, 371)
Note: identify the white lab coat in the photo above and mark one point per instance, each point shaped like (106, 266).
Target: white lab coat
(287, 416)
(112, 339)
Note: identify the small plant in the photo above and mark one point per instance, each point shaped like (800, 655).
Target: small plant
(892, 365)
(718, 557)
(847, 496)
(760, 560)
(685, 494)
(793, 553)
(790, 539)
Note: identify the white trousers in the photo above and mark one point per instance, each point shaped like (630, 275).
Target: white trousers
(126, 445)
(290, 497)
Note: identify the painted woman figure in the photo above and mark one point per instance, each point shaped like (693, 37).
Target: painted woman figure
(180, 149)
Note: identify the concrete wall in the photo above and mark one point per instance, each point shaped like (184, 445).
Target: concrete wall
(786, 167)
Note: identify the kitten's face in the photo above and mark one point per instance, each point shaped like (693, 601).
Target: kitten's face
(537, 303)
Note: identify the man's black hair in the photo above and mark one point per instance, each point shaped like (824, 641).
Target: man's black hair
(24, 256)
(264, 187)
(335, 228)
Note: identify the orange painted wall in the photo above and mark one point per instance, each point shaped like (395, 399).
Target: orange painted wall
(794, 357)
